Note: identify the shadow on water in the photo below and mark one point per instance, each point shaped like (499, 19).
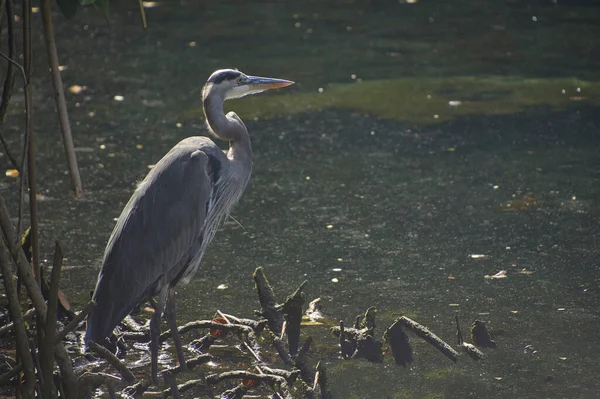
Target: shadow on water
(362, 176)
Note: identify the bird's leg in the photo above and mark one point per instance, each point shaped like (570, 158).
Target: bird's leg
(155, 333)
(172, 321)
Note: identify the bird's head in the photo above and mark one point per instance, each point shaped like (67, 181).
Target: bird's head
(230, 84)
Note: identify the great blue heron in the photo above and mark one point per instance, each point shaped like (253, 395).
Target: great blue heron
(163, 231)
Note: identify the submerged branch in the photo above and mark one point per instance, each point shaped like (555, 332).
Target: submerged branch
(112, 360)
(424, 333)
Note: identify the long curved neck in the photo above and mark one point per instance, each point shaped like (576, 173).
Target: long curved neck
(227, 127)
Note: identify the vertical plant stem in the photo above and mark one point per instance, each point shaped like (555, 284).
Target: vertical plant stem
(36, 363)
(27, 37)
(143, 14)
(10, 77)
(59, 97)
(47, 350)
(1, 12)
(31, 172)
(35, 293)
(17, 317)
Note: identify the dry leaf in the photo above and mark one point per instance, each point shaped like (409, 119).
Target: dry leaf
(500, 274)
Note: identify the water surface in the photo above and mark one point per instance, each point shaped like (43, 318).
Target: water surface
(416, 136)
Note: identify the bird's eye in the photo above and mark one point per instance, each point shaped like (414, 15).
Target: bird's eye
(240, 80)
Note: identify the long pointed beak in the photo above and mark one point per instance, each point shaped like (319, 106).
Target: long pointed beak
(260, 83)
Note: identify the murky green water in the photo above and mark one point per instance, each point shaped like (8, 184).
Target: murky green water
(442, 130)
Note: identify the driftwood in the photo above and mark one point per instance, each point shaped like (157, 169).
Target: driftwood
(299, 377)
(480, 335)
(424, 333)
(399, 343)
(469, 349)
(359, 342)
(268, 302)
(112, 360)
(292, 312)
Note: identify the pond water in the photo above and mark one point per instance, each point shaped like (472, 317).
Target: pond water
(417, 135)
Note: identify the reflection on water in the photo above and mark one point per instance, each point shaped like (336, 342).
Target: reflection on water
(361, 176)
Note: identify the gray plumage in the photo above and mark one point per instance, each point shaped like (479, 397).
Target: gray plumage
(164, 230)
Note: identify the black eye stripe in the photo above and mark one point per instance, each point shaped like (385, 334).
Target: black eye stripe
(225, 75)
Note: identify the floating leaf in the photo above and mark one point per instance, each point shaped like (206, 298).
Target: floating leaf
(500, 274)
(525, 271)
(12, 173)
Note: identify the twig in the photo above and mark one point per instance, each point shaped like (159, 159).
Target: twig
(31, 171)
(59, 97)
(17, 316)
(137, 336)
(28, 316)
(143, 14)
(270, 379)
(290, 376)
(137, 388)
(47, 349)
(38, 366)
(424, 333)
(10, 374)
(63, 359)
(10, 79)
(131, 325)
(190, 364)
(254, 351)
(75, 322)
(257, 326)
(26, 71)
(2, 13)
(214, 379)
(207, 324)
(27, 37)
(236, 392)
(25, 140)
(112, 360)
